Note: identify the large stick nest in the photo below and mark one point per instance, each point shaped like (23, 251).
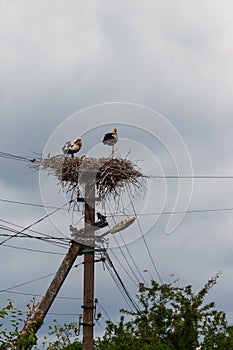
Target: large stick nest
(111, 176)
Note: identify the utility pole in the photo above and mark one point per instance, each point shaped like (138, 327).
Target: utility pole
(89, 260)
(88, 290)
(58, 280)
(52, 291)
(84, 171)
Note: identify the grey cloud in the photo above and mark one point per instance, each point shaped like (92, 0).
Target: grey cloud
(59, 57)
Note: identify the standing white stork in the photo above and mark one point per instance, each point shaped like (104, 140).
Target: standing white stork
(111, 139)
(72, 147)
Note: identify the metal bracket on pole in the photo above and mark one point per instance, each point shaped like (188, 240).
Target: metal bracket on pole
(87, 307)
(85, 324)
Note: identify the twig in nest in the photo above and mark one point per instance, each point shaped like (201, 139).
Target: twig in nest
(111, 176)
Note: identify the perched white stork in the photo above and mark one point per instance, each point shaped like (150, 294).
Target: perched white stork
(72, 147)
(111, 139)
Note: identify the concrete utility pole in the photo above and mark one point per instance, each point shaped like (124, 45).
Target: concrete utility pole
(47, 300)
(86, 246)
(111, 175)
(58, 280)
(88, 290)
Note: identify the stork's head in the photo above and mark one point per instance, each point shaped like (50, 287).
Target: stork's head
(78, 141)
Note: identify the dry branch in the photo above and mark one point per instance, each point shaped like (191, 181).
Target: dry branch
(110, 175)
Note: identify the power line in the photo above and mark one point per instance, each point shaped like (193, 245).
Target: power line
(62, 241)
(40, 295)
(28, 282)
(130, 255)
(61, 314)
(106, 314)
(36, 222)
(26, 235)
(127, 262)
(117, 214)
(192, 177)
(31, 281)
(30, 204)
(144, 240)
(122, 266)
(19, 226)
(36, 160)
(120, 283)
(130, 298)
(118, 286)
(41, 239)
(33, 250)
(58, 297)
(192, 211)
(20, 158)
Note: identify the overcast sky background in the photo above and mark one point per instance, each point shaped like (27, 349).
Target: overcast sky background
(175, 57)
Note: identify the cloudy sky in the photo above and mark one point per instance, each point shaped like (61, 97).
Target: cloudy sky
(162, 73)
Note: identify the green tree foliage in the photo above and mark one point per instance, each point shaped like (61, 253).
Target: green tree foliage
(65, 337)
(171, 318)
(9, 333)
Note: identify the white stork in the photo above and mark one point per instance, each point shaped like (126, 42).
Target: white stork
(111, 139)
(72, 147)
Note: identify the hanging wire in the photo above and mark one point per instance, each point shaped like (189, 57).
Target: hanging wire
(33, 280)
(62, 242)
(192, 211)
(30, 230)
(29, 204)
(37, 160)
(33, 250)
(122, 213)
(121, 284)
(105, 312)
(193, 177)
(28, 282)
(61, 314)
(118, 286)
(130, 255)
(20, 158)
(40, 295)
(144, 240)
(124, 269)
(43, 236)
(36, 222)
